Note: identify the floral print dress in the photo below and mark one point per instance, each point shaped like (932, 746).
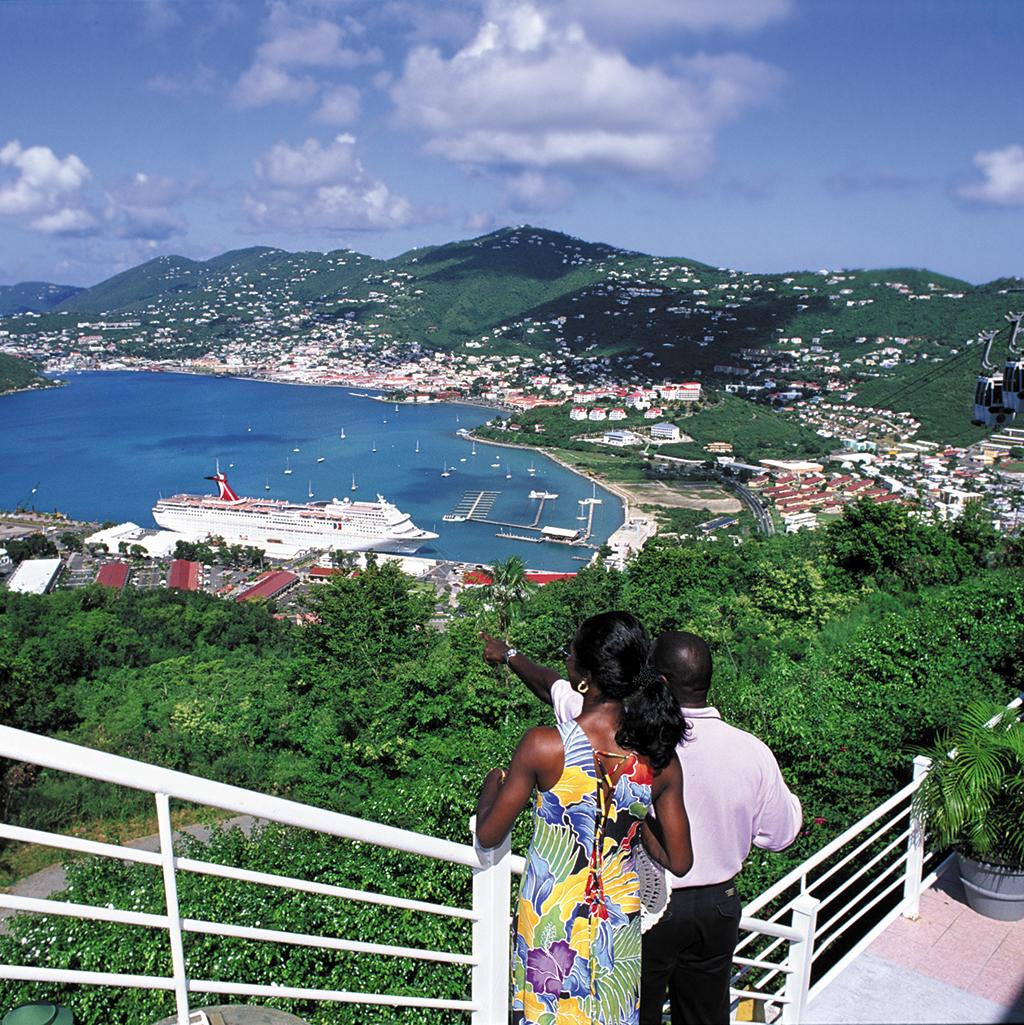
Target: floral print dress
(577, 948)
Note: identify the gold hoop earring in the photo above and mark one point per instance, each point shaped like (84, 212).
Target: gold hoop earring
(583, 687)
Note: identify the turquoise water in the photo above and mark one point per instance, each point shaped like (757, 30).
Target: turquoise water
(107, 445)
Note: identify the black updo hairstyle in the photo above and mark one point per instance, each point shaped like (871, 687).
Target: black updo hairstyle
(613, 648)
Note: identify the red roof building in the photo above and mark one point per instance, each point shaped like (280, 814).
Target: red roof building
(185, 575)
(540, 579)
(270, 585)
(113, 574)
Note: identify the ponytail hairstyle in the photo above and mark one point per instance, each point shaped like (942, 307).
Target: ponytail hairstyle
(652, 723)
(613, 649)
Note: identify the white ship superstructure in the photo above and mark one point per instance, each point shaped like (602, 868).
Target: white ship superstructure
(336, 525)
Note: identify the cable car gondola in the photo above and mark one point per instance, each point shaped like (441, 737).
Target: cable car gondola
(989, 410)
(1013, 372)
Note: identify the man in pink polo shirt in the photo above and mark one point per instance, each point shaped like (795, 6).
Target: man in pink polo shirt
(735, 798)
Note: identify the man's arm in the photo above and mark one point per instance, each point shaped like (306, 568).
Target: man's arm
(779, 816)
(537, 677)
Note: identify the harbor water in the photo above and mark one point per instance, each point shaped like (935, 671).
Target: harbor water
(107, 445)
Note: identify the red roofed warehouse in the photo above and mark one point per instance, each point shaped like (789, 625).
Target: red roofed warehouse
(113, 574)
(270, 585)
(184, 575)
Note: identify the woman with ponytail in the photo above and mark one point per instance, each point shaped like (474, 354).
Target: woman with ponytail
(577, 950)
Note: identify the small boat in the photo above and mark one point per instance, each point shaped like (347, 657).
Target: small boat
(342, 435)
(353, 488)
(287, 466)
(462, 459)
(249, 427)
(472, 451)
(396, 407)
(296, 449)
(417, 446)
(531, 469)
(446, 472)
(508, 474)
(266, 487)
(374, 448)
(495, 466)
(231, 466)
(319, 455)
(309, 490)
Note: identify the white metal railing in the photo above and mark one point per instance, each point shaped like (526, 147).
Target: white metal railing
(488, 960)
(801, 915)
(829, 896)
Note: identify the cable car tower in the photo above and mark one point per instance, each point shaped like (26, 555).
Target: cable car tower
(1013, 372)
(989, 410)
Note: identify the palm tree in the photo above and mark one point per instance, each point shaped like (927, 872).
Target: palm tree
(509, 589)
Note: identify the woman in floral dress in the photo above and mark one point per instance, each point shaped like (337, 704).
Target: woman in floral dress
(577, 949)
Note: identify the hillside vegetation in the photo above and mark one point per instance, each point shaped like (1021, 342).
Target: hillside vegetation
(841, 649)
(16, 374)
(529, 291)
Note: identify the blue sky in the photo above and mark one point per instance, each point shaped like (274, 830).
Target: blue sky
(758, 134)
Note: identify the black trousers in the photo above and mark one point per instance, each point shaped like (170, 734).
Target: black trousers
(689, 955)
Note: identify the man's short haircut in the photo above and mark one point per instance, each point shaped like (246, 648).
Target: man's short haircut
(684, 660)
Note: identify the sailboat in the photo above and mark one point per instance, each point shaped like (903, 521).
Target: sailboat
(396, 407)
(508, 473)
(342, 435)
(472, 451)
(353, 488)
(417, 446)
(319, 455)
(374, 448)
(296, 449)
(249, 427)
(266, 487)
(446, 472)
(287, 466)
(309, 490)
(531, 469)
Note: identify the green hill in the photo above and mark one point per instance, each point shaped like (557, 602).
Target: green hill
(33, 296)
(16, 374)
(896, 337)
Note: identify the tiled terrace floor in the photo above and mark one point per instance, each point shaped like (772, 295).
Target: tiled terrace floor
(951, 965)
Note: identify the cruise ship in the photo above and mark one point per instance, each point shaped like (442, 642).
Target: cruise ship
(337, 524)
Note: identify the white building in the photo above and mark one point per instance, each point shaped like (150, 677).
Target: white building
(621, 438)
(35, 576)
(805, 520)
(5, 561)
(665, 432)
(577, 413)
(689, 391)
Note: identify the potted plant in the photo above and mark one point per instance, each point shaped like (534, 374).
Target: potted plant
(972, 800)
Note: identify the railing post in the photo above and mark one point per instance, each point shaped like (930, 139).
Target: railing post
(915, 849)
(492, 895)
(801, 954)
(163, 817)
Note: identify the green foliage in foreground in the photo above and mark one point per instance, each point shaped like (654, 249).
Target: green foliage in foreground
(841, 649)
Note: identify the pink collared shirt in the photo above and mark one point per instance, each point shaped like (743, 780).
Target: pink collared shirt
(734, 792)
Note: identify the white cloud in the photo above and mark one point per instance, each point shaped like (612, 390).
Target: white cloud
(142, 207)
(1002, 181)
(322, 188)
(339, 106)
(263, 83)
(46, 191)
(613, 18)
(67, 220)
(528, 93)
(533, 192)
(296, 42)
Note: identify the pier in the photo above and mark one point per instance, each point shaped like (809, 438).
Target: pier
(475, 506)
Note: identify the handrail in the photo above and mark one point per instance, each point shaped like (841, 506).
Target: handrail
(489, 914)
(58, 754)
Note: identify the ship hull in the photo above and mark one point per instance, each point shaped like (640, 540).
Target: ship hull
(330, 526)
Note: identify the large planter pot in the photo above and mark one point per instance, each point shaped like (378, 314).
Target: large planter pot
(992, 890)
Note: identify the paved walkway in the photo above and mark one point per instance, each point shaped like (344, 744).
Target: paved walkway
(951, 965)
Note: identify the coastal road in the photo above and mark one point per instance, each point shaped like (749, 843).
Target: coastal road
(752, 502)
